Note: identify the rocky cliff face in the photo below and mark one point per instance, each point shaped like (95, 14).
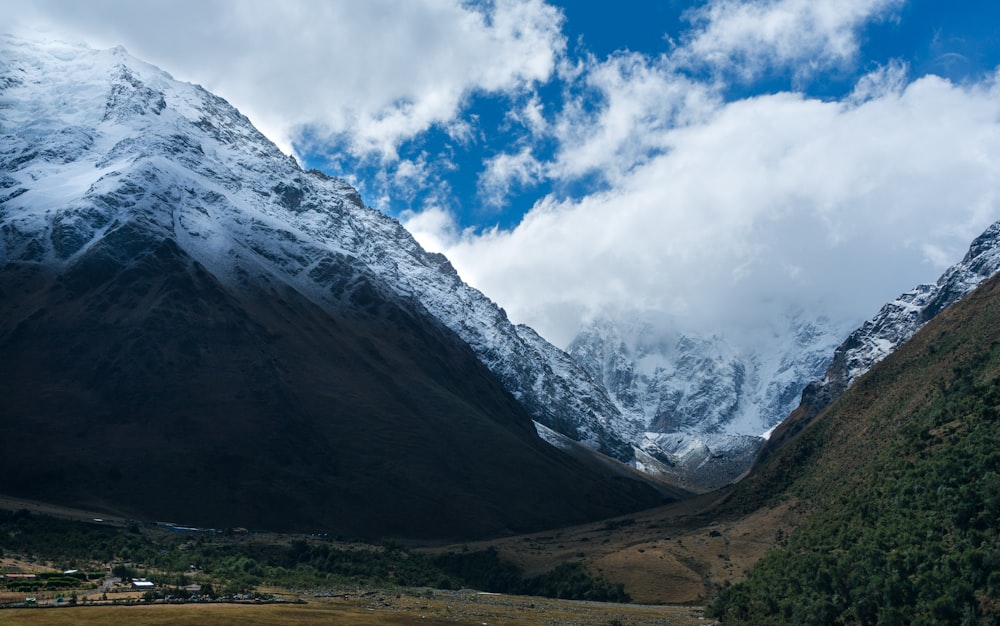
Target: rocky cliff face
(703, 403)
(675, 382)
(900, 319)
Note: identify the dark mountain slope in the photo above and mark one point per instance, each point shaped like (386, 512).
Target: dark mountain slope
(902, 479)
(194, 328)
(135, 382)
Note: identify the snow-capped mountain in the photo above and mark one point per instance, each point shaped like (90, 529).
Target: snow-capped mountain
(900, 319)
(187, 307)
(706, 405)
(78, 159)
(703, 402)
(103, 153)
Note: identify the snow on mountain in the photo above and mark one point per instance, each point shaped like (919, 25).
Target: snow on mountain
(708, 405)
(900, 319)
(93, 141)
(704, 401)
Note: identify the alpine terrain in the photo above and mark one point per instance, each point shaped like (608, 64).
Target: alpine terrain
(703, 402)
(707, 406)
(194, 328)
(896, 484)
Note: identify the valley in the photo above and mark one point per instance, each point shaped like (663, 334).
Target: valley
(384, 584)
(673, 557)
(375, 608)
(194, 328)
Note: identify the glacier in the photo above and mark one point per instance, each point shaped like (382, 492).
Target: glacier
(705, 402)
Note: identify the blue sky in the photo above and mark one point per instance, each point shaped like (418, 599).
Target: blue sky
(957, 40)
(715, 164)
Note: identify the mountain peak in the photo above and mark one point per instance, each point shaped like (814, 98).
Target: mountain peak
(177, 290)
(703, 393)
(700, 401)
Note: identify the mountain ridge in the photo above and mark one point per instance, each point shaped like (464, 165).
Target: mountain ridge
(528, 367)
(897, 478)
(162, 262)
(895, 324)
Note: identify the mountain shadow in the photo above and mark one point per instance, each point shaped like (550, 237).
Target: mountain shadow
(136, 382)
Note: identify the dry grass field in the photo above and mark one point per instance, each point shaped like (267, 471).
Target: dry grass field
(670, 555)
(392, 609)
(671, 561)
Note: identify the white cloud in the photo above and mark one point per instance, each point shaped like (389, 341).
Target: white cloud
(891, 78)
(711, 211)
(413, 182)
(531, 116)
(772, 202)
(638, 100)
(374, 73)
(620, 110)
(434, 227)
(724, 214)
(749, 37)
(506, 171)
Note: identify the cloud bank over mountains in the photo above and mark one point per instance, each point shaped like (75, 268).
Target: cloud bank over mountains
(771, 202)
(675, 181)
(377, 72)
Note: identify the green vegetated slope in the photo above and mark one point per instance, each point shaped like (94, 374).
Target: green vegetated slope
(233, 564)
(902, 476)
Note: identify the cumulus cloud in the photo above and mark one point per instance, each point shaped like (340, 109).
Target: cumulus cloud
(625, 106)
(372, 74)
(507, 171)
(750, 37)
(771, 202)
(722, 215)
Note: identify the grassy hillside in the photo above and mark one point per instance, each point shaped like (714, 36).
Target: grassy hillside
(902, 476)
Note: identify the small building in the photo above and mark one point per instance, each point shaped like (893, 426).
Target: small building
(142, 583)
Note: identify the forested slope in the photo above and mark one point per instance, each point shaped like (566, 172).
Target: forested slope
(902, 477)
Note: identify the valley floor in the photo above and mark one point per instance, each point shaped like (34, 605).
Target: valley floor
(358, 608)
(678, 554)
(671, 560)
